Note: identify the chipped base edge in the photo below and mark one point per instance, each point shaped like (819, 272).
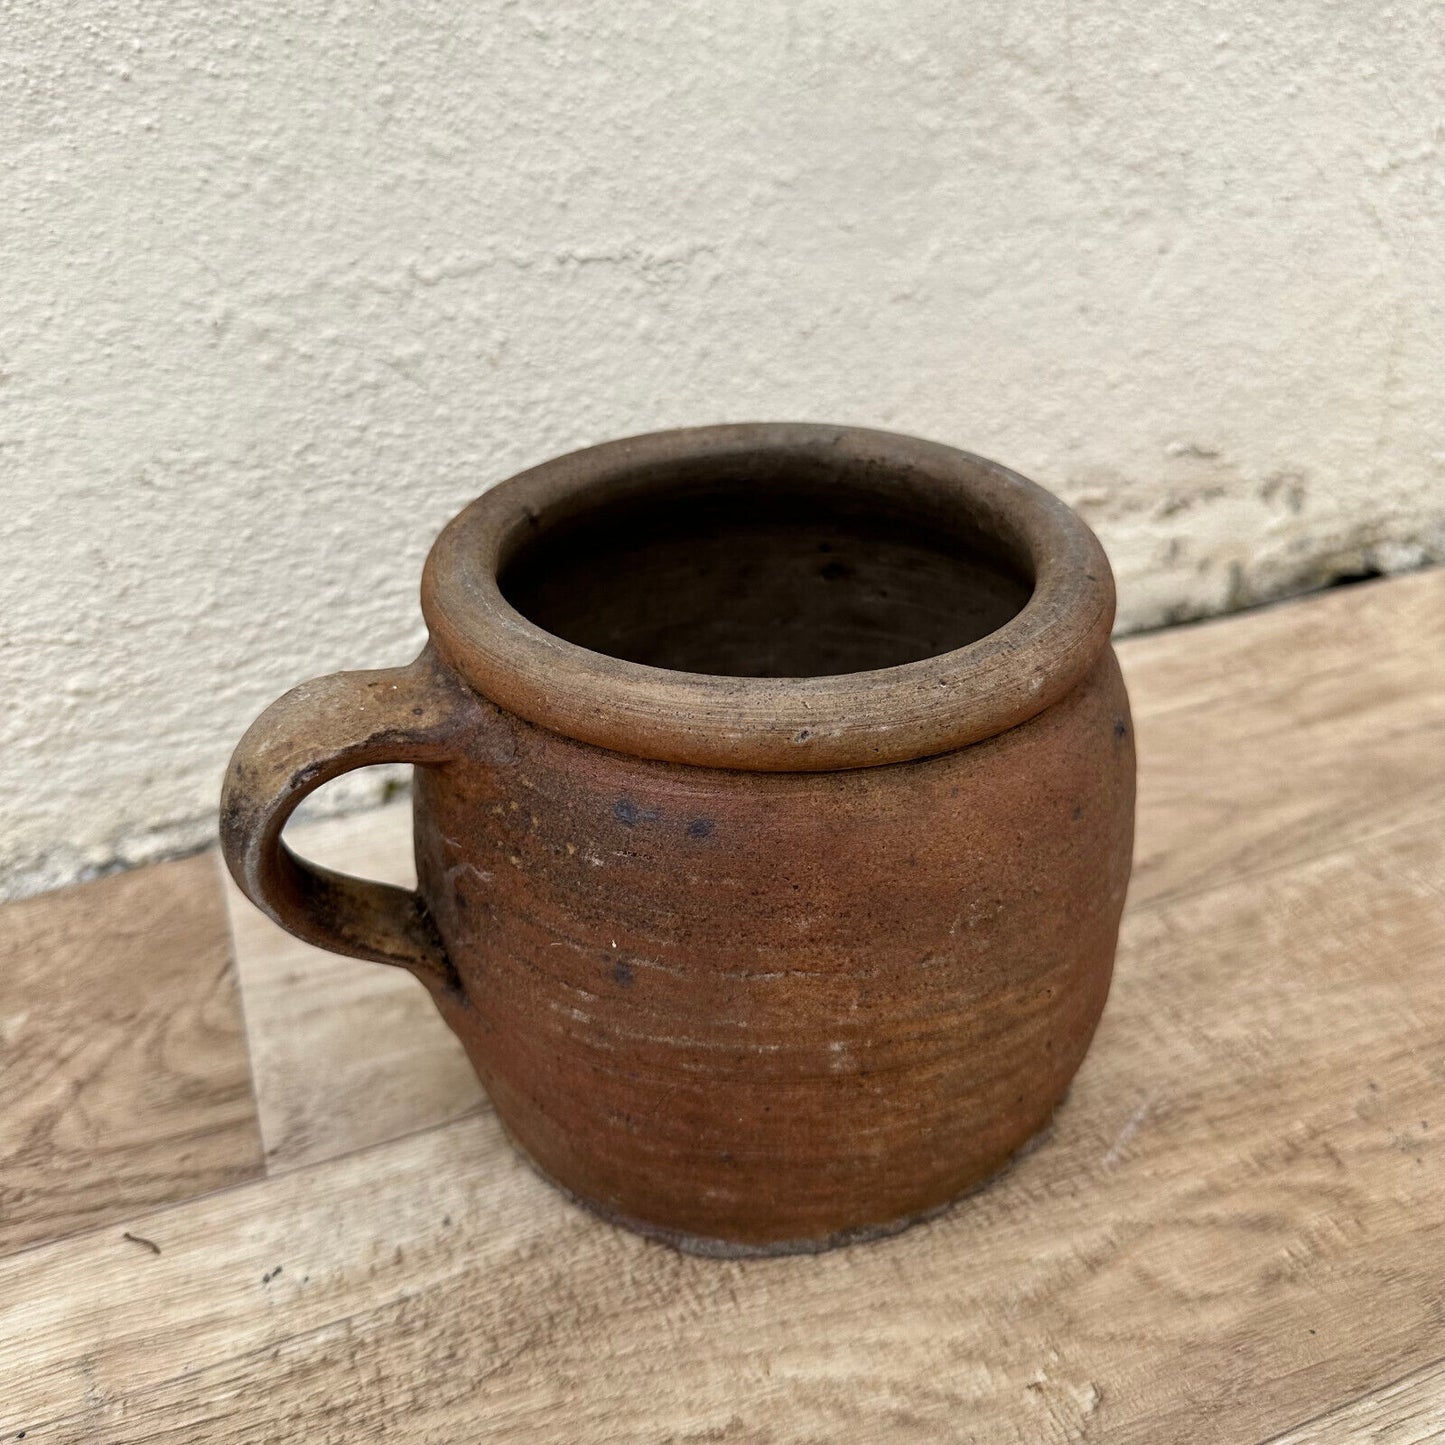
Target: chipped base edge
(708, 1247)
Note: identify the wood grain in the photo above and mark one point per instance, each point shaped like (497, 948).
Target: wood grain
(1281, 734)
(1352, 630)
(122, 1062)
(1239, 1224)
(1408, 1411)
(345, 1054)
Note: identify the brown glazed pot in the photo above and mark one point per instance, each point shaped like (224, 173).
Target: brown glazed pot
(774, 808)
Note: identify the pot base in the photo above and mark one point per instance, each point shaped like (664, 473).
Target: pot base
(707, 1247)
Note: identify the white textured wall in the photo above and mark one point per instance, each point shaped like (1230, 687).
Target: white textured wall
(285, 284)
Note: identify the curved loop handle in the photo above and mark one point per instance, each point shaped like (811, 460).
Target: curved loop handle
(326, 727)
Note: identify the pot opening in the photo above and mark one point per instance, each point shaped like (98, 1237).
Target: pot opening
(769, 569)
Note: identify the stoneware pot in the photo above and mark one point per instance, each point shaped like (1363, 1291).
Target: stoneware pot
(774, 808)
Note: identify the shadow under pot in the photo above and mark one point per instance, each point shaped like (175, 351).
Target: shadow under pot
(774, 806)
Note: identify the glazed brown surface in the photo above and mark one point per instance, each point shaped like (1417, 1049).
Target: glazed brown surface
(773, 1008)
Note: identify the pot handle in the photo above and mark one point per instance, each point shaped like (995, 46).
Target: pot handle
(326, 727)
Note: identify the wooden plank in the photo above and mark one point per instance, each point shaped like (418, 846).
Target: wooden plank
(1277, 736)
(1409, 1411)
(345, 1054)
(1342, 630)
(122, 1063)
(1239, 1224)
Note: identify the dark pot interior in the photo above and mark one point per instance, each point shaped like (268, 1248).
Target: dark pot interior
(765, 572)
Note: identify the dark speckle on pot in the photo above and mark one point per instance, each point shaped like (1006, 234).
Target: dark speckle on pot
(622, 974)
(701, 828)
(630, 815)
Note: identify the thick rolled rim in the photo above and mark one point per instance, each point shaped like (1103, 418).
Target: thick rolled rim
(809, 724)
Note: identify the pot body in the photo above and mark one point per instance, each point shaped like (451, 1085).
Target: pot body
(774, 806)
(772, 1011)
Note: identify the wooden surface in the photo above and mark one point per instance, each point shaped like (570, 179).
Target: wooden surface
(123, 1074)
(1235, 1233)
(342, 1056)
(1408, 1411)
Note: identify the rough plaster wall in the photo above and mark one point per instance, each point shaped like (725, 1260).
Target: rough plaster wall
(286, 284)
